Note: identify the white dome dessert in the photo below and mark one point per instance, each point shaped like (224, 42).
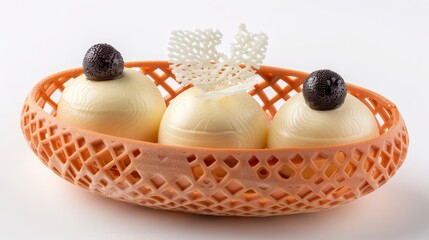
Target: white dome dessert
(324, 114)
(297, 125)
(232, 121)
(128, 105)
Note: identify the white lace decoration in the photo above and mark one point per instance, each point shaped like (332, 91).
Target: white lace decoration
(195, 59)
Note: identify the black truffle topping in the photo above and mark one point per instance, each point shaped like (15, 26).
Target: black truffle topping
(103, 62)
(324, 90)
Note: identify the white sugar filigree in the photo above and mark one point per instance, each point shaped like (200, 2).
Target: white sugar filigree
(195, 59)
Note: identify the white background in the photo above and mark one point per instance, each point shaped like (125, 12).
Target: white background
(380, 45)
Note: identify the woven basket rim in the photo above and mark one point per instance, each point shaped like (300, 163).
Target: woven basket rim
(397, 118)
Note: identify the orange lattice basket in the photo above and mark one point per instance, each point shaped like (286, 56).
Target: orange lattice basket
(248, 182)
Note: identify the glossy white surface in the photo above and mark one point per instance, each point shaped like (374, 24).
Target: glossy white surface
(231, 121)
(380, 45)
(130, 106)
(297, 125)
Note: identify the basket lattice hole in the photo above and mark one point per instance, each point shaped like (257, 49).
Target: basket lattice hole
(191, 158)
(386, 118)
(368, 164)
(197, 172)
(164, 92)
(56, 95)
(219, 196)
(158, 181)
(136, 153)
(80, 142)
(291, 200)
(383, 180)
(272, 161)
(250, 195)
(297, 160)
(159, 72)
(286, 172)
(340, 179)
(158, 199)
(119, 150)
(350, 169)
(282, 83)
(308, 173)
(340, 157)
(357, 154)
(328, 189)
(122, 184)
(48, 108)
(76, 163)
(232, 203)
(206, 203)
(69, 177)
(114, 172)
(398, 144)
(93, 168)
(313, 198)
(104, 157)
(169, 193)
(304, 192)
(278, 104)
(349, 195)
(323, 201)
(263, 203)
(370, 103)
(339, 192)
(135, 177)
(404, 138)
(259, 100)
(209, 160)
(47, 149)
(85, 181)
(319, 181)
(380, 120)
(278, 194)
(373, 151)
(123, 162)
(183, 183)
(144, 189)
(253, 161)
(231, 161)
(173, 83)
(219, 173)
(331, 170)
(263, 173)
(70, 149)
(294, 92)
(195, 195)
(376, 173)
(98, 146)
(396, 158)
(234, 187)
(51, 104)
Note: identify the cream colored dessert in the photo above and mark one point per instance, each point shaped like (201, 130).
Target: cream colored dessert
(217, 112)
(232, 121)
(297, 125)
(130, 106)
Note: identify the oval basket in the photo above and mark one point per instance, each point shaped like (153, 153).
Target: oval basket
(248, 182)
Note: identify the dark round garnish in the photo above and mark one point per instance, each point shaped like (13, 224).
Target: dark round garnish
(103, 62)
(324, 90)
